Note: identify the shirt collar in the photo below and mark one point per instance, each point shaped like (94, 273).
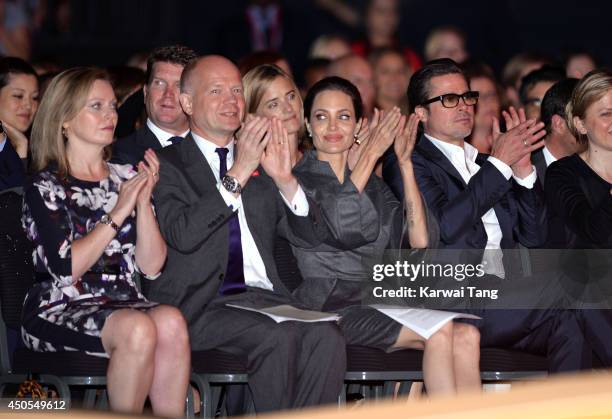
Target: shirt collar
(548, 156)
(208, 147)
(452, 151)
(161, 135)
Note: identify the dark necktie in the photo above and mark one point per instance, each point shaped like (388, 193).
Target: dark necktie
(175, 140)
(234, 274)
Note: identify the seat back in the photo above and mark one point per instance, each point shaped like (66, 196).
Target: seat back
(16, 271)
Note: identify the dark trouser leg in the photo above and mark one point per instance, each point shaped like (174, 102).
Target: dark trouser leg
(597, 325)
(322, 364)
(554, 333)
(284, 360)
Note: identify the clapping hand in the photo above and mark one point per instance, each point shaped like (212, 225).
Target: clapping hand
(129, 192)
(522, 137)
(382, 135)
(406, 139)
(276, 158)
(364, 131)
(251, 141)
(18, 140)
(151, 169)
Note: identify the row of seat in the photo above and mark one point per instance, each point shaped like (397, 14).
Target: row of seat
(374, 370)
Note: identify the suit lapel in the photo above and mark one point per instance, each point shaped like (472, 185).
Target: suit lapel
(431, 152)
(254, 209)
(196, 167)
(147, 139)
(538, 160)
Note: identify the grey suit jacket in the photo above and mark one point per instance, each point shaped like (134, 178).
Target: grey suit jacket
(362, 226)
(193, 217)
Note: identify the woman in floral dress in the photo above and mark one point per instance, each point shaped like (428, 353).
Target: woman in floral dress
(93, 227)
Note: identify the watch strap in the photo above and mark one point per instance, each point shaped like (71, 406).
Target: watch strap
(106, 219)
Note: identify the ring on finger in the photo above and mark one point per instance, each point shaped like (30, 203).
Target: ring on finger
(526, 143)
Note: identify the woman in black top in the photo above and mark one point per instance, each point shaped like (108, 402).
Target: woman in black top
(578, 187)
(579, 192)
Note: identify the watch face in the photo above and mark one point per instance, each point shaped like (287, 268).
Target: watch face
(104, 219)
(231, 184)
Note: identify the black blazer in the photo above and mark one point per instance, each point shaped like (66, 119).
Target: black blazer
(538, 160)
(458, 207)
(193, 219)
(12, 171)
(131, 149)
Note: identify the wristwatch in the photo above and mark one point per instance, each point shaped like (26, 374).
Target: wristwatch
(231, 184)
(106, 219)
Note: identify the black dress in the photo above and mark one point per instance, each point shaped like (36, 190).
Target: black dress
(582, 200)
(66, 313)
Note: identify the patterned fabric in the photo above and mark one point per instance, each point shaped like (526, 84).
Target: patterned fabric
(66, 313)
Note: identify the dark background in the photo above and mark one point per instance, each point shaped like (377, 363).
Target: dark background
(104, 32)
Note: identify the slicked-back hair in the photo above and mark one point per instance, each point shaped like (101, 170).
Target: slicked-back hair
(173, 54)
(555, 100)
(545, 74)
(419, 86)
(337, 84)
(375, 56)
(13, 65)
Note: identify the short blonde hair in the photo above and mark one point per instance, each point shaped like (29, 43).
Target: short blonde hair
(589, 90)
(62, 101)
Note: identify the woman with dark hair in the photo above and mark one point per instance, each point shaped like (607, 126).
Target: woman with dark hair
(391, 76)
(93, 227)
(381, 22)
(364, 219)
(18, 101)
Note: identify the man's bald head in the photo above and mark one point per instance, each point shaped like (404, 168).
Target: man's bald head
(201, 63)
(358, 71)
(212, 97)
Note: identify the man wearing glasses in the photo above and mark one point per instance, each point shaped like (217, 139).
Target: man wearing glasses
(485, 203)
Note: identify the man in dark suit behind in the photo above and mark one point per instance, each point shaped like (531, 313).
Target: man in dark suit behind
(220, 215)
(12, 172)
(166, 122)
(559, 141)
(486, 202)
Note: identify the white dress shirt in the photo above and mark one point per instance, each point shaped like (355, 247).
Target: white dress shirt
(464, 160)
(548, 156)
(254, 269)
(163, 136)
(3, 140)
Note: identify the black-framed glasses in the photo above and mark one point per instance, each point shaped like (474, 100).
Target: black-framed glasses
(451, 100)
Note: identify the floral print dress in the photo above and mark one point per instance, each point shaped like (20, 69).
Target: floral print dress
(64, 313)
